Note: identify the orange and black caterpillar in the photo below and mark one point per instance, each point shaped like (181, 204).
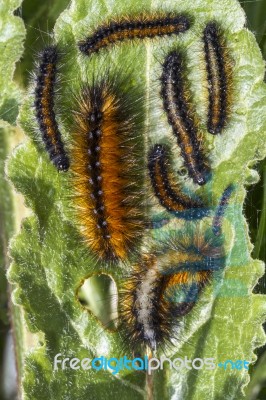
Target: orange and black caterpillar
(168, 193)
(181, 118)
(107, 176)
(219, 71)
(138, 27)
(165, 285)
(44, 107)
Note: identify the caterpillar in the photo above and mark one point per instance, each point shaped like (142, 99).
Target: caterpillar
(44, 107)
(223, 203)
(168, 194)
(218, 71)
(176, 104)
(165, 286)
(106, 169)
(129, 28)
(166, 283)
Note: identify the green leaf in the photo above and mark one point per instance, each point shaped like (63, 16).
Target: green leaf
(11, 46)
(12, 34)
(51, 261)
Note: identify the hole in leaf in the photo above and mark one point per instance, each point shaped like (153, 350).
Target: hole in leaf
(98, 294)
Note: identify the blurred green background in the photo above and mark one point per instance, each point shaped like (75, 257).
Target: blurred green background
(39, 17)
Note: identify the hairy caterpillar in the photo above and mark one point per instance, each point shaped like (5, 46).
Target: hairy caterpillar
(106, 166)
(44, 107)
(167, 282)
(181, 118)
(129, 28)
(218, 70)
